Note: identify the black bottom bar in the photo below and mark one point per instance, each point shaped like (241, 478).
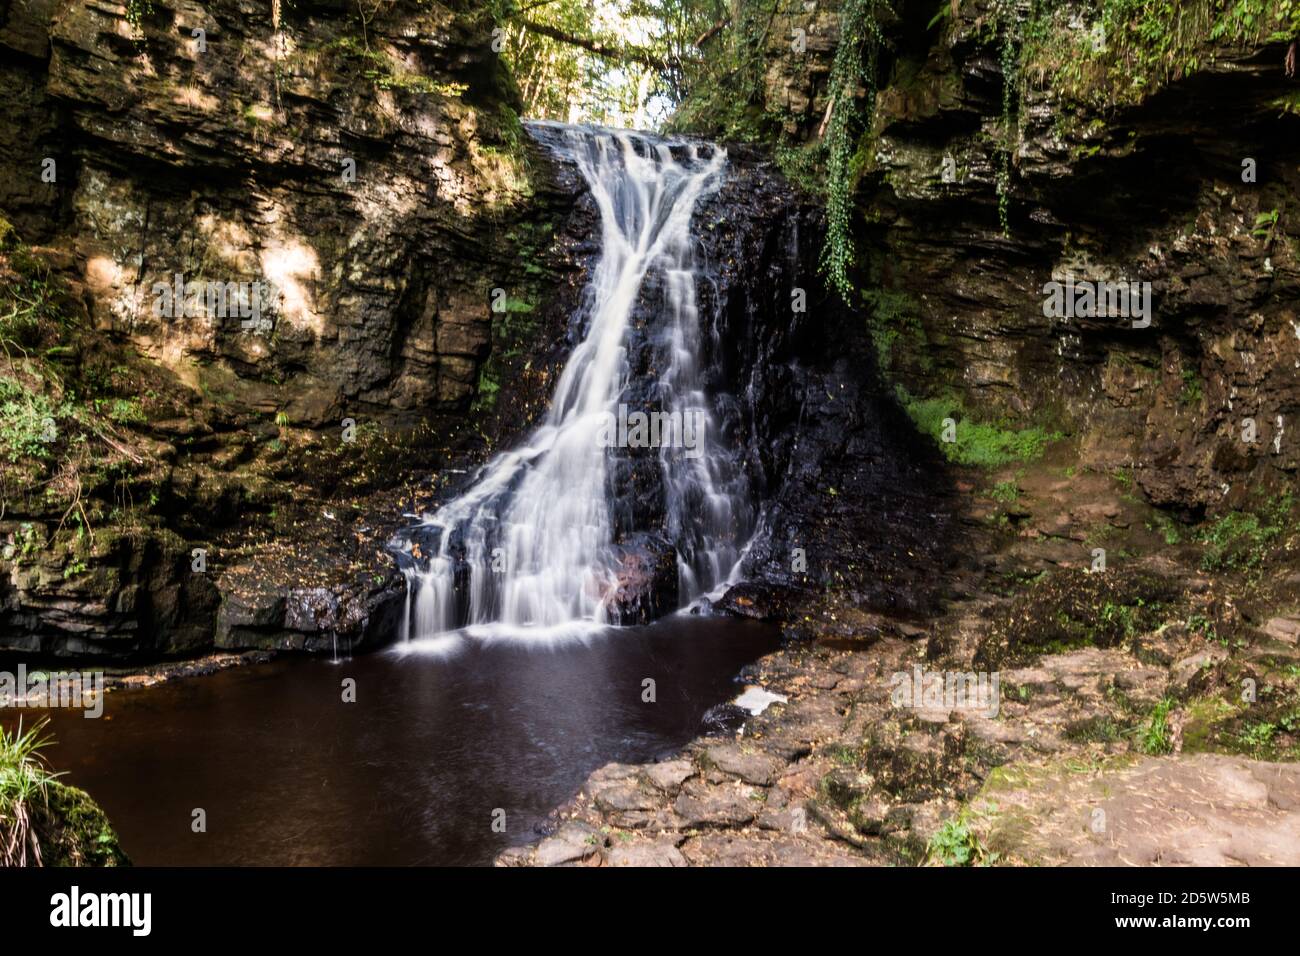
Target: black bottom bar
(236, 905)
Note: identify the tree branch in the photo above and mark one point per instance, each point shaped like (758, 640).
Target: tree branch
(713, 31)
(625, 54)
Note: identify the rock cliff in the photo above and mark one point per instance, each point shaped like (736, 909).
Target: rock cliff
(245, 236)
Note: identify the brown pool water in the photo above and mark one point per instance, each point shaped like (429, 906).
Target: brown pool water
(417, 769)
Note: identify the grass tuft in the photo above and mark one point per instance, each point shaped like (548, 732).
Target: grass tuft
(24, 794)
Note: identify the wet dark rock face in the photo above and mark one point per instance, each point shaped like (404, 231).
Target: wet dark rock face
(338, 619)
(850, 500)
(142, 587)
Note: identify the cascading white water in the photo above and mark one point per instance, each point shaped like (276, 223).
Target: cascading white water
(532, 543)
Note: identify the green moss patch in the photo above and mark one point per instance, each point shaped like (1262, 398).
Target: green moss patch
(979, 444)
(77, 832)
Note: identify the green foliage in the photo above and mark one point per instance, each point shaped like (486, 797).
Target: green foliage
(488, 387)
(724, 88)
(383, 71)
(28, 421)
(513, 329)
(726, 101)
(121, 411)
(943, 13)
(1191, 390)
(1100, 729)
(26, 543)
(513, 306)
(1287, 102)
(978, 444)
(17, 324)
(1075, 608)
(576, 58)
(24, 783)
(1202, 625)
(956, 844)
(1257, 736)
(29, 302)
(1005, 492)
(1154, 735)
(803, 166)
(1165, 526)
(43, 822)
(1265, 225)
(1009, 46)
(1120, 617)
(64, 393)
(126, 411)
(1241, 540)
(1267, 729)
(137, 11)
(1135, 47)
(510, 131)
(892, 316)
(23, 773)
(855, 62)
(392, 79)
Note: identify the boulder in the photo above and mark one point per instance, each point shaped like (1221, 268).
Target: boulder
(646, 580)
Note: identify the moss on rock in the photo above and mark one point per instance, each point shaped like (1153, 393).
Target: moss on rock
(76, 832)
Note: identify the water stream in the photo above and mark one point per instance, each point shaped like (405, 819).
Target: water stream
(540, 540)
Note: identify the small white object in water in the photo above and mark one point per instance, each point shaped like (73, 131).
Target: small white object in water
(756, 700)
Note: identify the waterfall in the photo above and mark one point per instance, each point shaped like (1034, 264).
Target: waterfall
(538, 541)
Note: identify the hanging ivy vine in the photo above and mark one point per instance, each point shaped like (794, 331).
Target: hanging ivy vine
(1009, 44)
(137, 11)
(855, 62)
